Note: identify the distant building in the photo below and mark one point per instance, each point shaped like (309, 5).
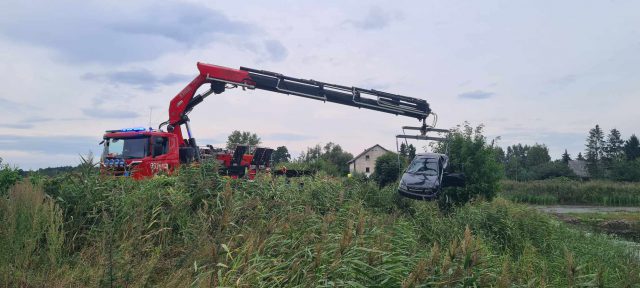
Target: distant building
(579, 167)
(365, 162)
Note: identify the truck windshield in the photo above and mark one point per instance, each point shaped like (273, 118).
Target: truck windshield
(428, 166)
(126, 148)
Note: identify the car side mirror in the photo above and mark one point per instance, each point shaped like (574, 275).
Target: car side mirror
(453, 180)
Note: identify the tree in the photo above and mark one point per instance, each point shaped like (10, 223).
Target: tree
(312, 154)
(566, 157)
(521, 161)
(580, 157)
(387, 169)
(515, 160)
(537, 154)
(614, 146)
(281, 155)
(403, 150)
(595, 151)
(411, 152)
(632, 148)
(334, 154)
(242, 138)
(626, 170)
(500, 155)
(330, 158)
(469, 153)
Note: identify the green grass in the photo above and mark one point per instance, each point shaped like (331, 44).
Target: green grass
(567, 192)
(197, 229)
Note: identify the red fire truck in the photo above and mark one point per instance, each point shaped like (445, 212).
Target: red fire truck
(142, 152)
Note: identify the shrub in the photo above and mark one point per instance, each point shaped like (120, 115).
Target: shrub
(8, 177)
(470, 153)
(550, 170)
(387, 169)
(626, 171)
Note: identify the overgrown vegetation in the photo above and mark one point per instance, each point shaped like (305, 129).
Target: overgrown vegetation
(567, 191)
(388, 168)
(330, 158)
(470, 153)
(8, 177)
(197, 229)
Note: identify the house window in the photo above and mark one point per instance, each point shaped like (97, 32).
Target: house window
(366, 157)
(367, 170)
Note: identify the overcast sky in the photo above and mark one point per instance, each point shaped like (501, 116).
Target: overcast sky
(530, 71)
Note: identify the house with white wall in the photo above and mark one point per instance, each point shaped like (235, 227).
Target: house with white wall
(365, 162)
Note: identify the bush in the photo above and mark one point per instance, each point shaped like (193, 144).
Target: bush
(8, 177)
(387, 169)
(470, 154)
(550, 170)
(626, 171)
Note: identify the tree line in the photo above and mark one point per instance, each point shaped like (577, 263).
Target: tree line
(612, 157)
(605, 157)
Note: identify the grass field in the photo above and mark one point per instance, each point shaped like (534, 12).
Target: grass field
(564, 191)
(197, 229)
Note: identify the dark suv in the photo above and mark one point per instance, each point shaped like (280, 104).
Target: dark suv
(425, 177)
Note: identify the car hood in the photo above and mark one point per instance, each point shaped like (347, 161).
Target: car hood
(423, 181)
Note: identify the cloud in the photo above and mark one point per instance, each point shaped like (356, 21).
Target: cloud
(141, 78)
(275, 50)
(476, 95)
(17, 125)
(287, 137)
(9, 105)
(49, 144)
(102, 32)
(96, 112)
(30, 122)
(182, 22)
(376, 19)
(37, 119)
(564, 81)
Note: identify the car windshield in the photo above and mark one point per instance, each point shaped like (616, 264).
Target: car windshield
(428, 166)
(126, 148)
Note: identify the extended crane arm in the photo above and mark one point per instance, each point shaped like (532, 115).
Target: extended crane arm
(222, 77)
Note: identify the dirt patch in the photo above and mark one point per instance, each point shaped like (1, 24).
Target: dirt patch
(620, 227)
(616, 225)
(566, 218)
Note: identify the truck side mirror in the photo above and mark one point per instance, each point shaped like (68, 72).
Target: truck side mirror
(453, 180)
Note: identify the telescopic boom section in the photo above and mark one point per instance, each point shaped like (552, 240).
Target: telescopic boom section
(220, 77)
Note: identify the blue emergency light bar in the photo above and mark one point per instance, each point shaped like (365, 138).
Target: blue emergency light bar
(134, 129)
